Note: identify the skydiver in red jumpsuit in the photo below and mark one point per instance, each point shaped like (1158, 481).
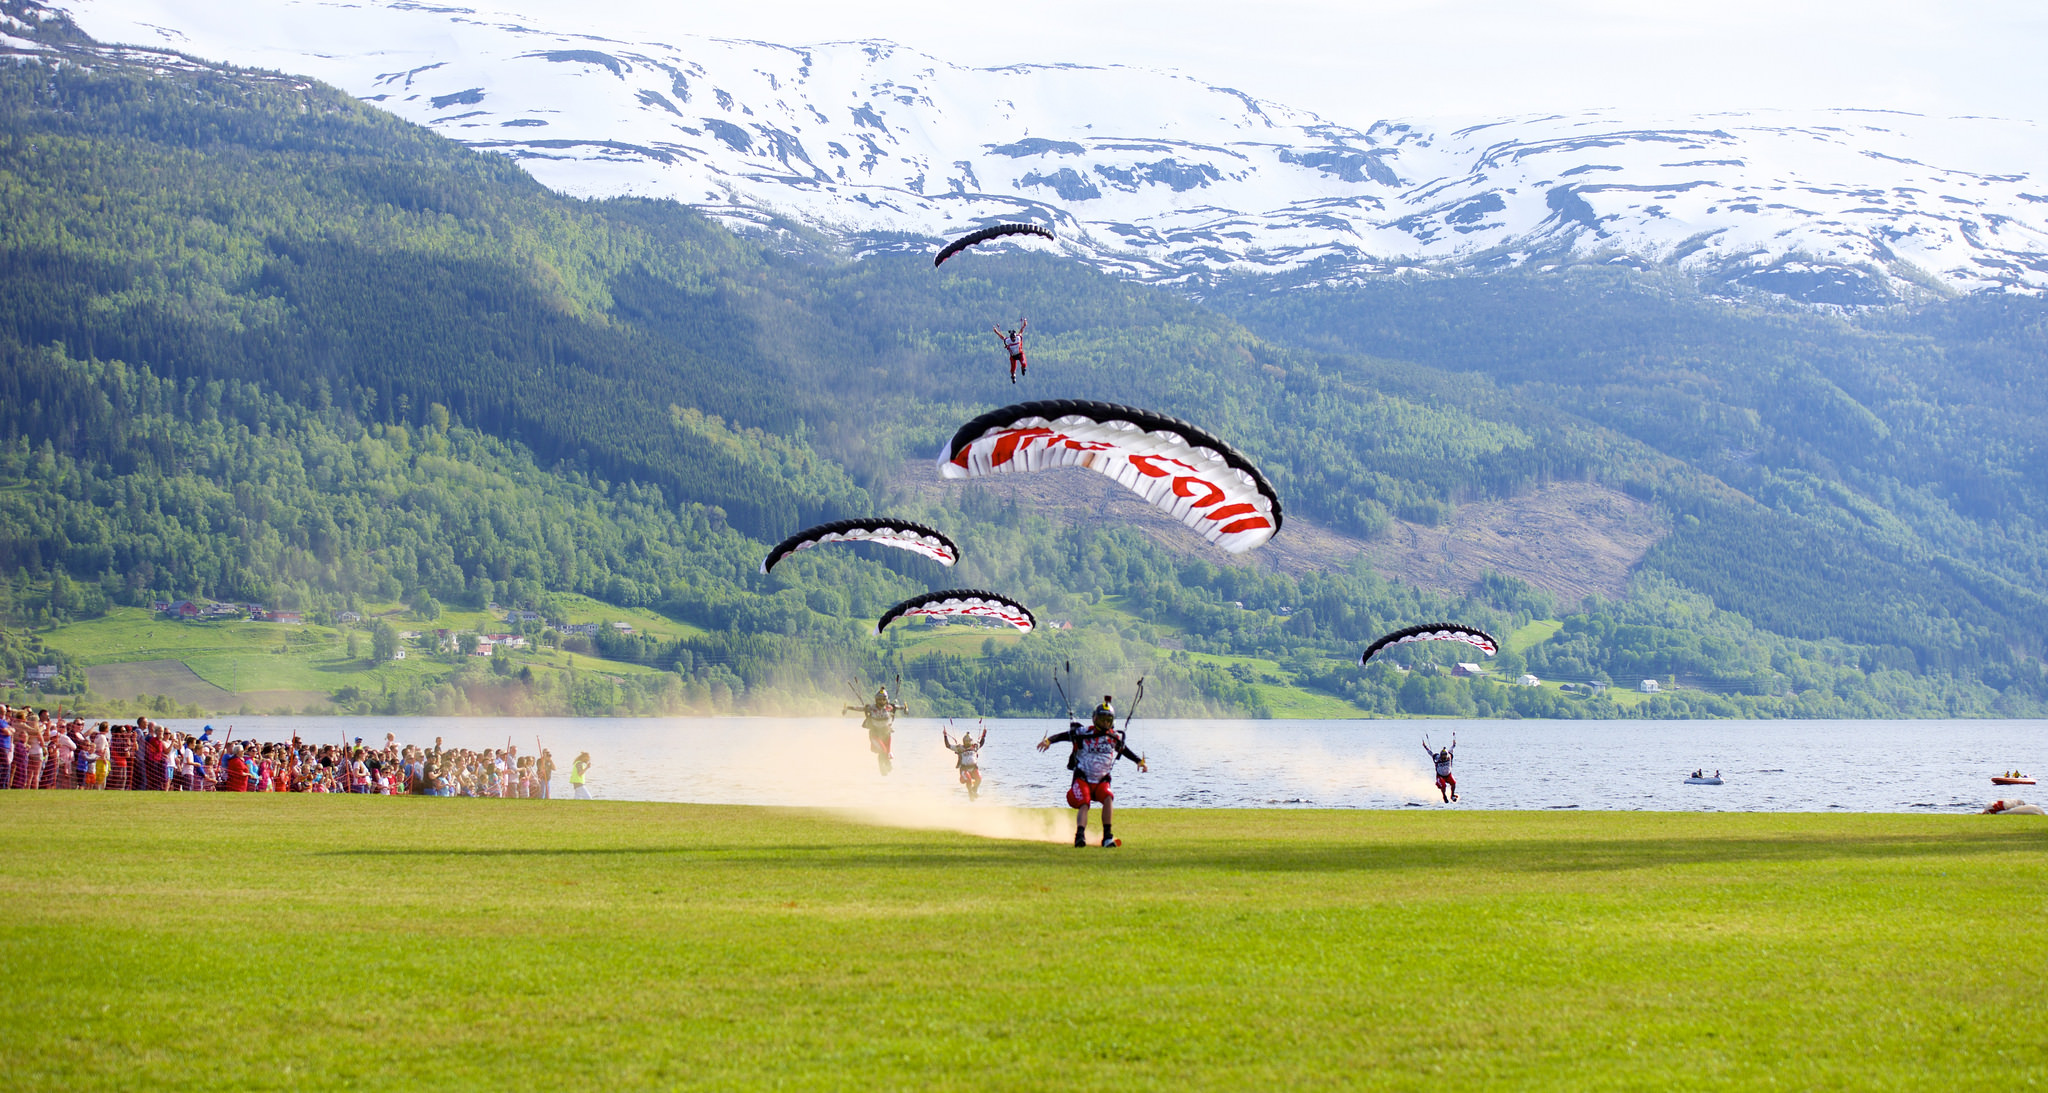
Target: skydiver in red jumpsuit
(1097, 747)
(1013, 341)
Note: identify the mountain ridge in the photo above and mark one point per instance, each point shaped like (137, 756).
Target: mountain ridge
(1162, 176)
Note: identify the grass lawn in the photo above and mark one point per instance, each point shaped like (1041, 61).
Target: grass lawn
(308, 661)
(1285, 700)
(281, 941)
(955, 640)
(1532, 634)
(584, 609)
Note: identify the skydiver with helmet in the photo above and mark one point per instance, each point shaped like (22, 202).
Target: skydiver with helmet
(1446, 782)
(1096, 747)
(879, 719)
(1013, 342)
(967, 758)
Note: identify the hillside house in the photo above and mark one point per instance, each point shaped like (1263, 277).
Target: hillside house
(1649, 687)
(1467, 669)
(41, 674)
(1530, 681)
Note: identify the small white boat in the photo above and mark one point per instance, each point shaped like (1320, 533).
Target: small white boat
(1697, 781)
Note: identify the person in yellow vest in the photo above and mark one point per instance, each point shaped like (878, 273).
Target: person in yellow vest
(577, 770)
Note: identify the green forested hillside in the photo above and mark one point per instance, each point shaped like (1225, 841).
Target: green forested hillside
(1876, 477)
(264, 343)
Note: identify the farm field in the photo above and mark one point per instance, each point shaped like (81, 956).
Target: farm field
(260, 941)
(223, 665)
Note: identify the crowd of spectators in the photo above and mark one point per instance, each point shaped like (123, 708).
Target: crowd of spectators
(38, 751)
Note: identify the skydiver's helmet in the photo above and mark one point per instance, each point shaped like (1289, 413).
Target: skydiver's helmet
(1105, 715)
(881, 696)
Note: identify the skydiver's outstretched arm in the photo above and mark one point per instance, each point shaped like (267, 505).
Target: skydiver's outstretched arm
(854, 709)
(1128, 753)
(1065, 736)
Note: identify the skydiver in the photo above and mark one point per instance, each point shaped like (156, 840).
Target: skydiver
(967, 759)
(879, 719)
(1095, 751)
(1014, 342)
(1446, 784)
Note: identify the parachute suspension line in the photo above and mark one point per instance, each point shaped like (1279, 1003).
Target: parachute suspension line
(1133, 713)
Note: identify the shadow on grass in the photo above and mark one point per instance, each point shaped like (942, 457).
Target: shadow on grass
(1516, 855)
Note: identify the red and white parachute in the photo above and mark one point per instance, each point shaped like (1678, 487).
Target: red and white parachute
(904, 534)
(1435, 631)
(962, 601)
(1180, 469)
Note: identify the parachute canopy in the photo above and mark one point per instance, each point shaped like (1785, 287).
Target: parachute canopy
(962, 601)
(986, 234)
(1434, 631)
(904, 534)
(1202, 481)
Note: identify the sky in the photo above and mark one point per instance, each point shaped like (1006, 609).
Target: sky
(1356, 61)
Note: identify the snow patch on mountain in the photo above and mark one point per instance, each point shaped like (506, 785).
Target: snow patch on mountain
(1159, 175)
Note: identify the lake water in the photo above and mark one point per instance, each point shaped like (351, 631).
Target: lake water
(1860, 766)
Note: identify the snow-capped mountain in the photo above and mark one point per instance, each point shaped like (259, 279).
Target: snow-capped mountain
(1160, 175)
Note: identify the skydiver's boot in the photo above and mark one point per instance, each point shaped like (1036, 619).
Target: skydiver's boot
(1080, 836)
(1109, 841)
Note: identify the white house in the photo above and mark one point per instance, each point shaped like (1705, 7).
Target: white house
(1467, 668)
(1649, 687)
(1530, 681)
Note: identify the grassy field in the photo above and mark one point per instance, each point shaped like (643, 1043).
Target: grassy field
(1532, 634)
(292, 942)
(262, 666)
(1283, 699)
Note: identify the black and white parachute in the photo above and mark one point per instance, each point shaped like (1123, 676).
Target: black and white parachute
(1434, 631)
(986, 234)
(903, 534)
(1201, 481)
(962, 601)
